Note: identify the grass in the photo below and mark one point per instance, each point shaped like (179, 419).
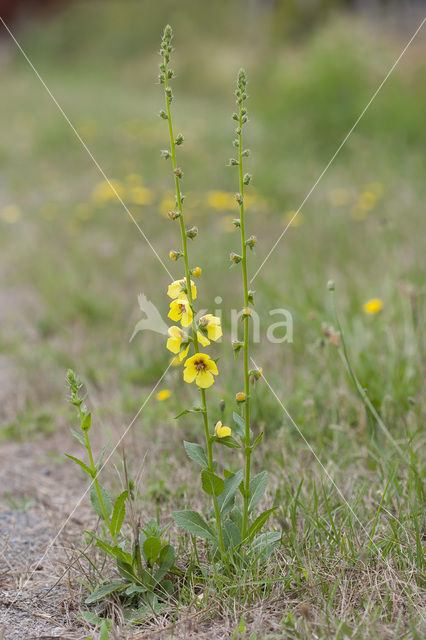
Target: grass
(72, 265)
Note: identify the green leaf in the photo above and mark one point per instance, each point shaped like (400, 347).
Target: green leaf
(186, 411)
(106, 548)
(196, 452)
(240, 424)
(151, 549)
(258, 486)
(231, 533)
(104, 630)
(226, 498)
(105, 590)
(135, 588)
(165, 560)
(126, 570)
(227, 441)
(264, 544)
(82, 464)
(101, 457)
(258, 439)
(193, 523)
(259, 522)
(118, 513)
(95, 500)
(79, 436)
(237, 517)
(211, 483)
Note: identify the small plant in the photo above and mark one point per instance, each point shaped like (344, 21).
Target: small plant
(143, 559)
(233, 527)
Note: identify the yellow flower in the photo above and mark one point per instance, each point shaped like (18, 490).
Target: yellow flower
(164, 394)
(200, 368)
(174, 343)
(196, 272)
(220, 200)
(240, 396)
(293, 219)
(222, 431)
(211, 324)
(178, 289)
(11, 214)
(180, 310)
(338, 197)
(373, 306)
(107, 190)
(140, 195)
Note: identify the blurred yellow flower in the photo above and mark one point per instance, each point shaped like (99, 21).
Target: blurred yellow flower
(222, 431)
(373, 306)
(167, 203)
(221, 200)
(140, 195)
(367, 201)
(133, 180)
(49, 210)
(293, 218)
(104, 191)
(200, 368)
(227, 223)
(180, 310)
(11, 214)
(164, 394)
(177, 336)
(178, 289)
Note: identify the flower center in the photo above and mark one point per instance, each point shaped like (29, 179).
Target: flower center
(200, 365)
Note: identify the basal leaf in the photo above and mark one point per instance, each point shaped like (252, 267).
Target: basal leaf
(258, 486)
(194, 523)
(105, 590)
(151, 549)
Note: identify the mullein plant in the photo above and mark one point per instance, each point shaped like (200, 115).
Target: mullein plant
(188, 340)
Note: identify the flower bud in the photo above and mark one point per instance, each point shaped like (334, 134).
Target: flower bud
(256, 374)
(192, 232)
(234, 257)
(178, 172)
(246, 153)
(251, 241)
(240, 396)
(196, 272)
(233, 162)
(330, 285)
(175, 255)
(237, 345)
(247, 178)
(222, 405)
(236, 222)
(235, 116)
(163, 114)
(179, 139)
(238, 198)
(251, 296)
(173, 215)
(246, 312)
(236, 142)
(165, 153)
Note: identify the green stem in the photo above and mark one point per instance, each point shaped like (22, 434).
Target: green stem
(191, 302)
(96, 483)
(247, 450)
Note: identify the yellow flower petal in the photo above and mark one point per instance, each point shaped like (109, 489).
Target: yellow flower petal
(177, 289)
(204, 379)
(222, 431)
(164, 394)
(202, 339)
(189, 374)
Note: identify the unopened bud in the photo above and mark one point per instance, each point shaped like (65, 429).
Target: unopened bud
(175, 255)
(236, 222)
(238, 198)
(256, 374)
(246, 153)
(233, 162)
(240, 396)
(178, 172)
(179, 139)
(192, 232)
(330, 285)
(236, 142)
(196, 272)
(235, 116)
(247, 178)
(165, 153)
(251, 241)
(247, 312)
(163, 114)
(234, 257)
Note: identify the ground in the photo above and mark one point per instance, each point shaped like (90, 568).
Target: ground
(72, 263)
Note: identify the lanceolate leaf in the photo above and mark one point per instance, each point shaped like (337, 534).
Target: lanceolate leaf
(211, 483)
(226, 498)
(228, 441)
(118, 513)
(239, 424)
(194, 524)
(151, 549)
(186, 411)
(105, 590)
(258, 486)
(165, 560)
(95, 501)
(232, 534)
(259, 522)
(82, 464)
(196, 452)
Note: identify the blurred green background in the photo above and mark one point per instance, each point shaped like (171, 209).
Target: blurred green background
(72, 262)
